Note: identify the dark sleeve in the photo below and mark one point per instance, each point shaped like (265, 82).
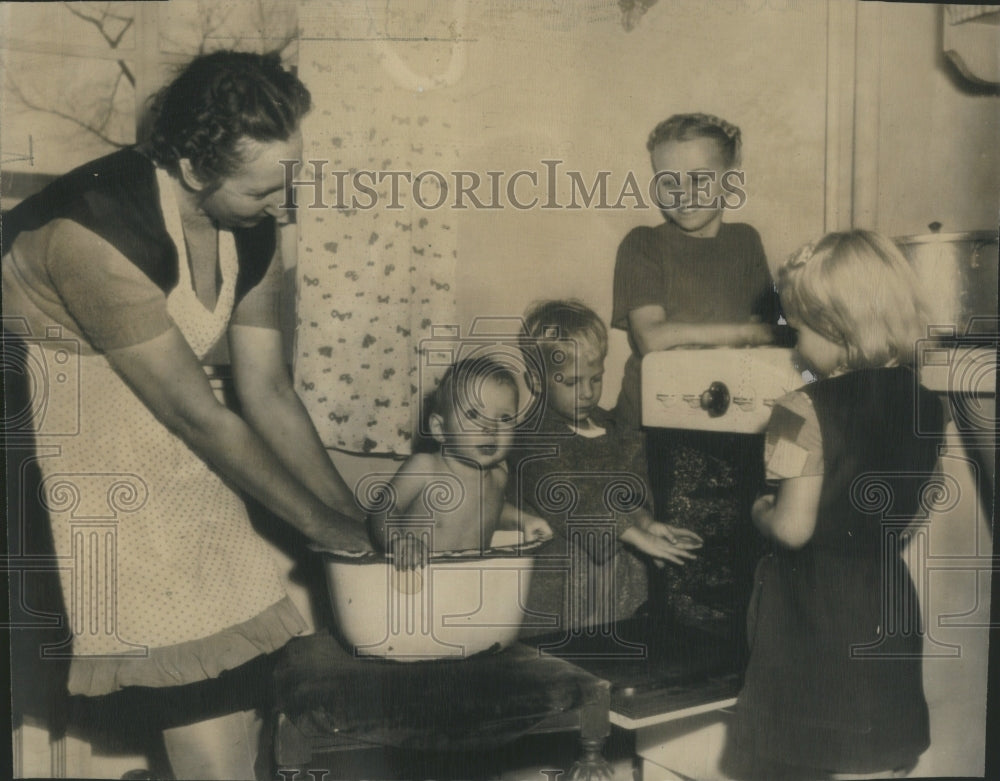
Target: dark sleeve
(638, 276)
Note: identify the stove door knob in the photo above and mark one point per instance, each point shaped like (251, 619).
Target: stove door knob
(715, 400)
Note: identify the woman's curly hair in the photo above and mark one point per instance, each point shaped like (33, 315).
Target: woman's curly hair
(684, 127)
(217, 100)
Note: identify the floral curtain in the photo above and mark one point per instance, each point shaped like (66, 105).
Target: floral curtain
(376, 263)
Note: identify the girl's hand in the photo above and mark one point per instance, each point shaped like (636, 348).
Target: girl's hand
(536, 529)
(658, 546)
(763, 507)
(682, 538)
(789, 517)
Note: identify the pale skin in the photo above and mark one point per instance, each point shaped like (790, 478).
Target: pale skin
(789, 517)
(469, 526)
(572, 395)
(272, 451)
(475, 438)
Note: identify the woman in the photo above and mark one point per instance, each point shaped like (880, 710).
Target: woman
(145, 258)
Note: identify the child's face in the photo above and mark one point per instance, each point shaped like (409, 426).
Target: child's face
(689, 184)
(480, 426)
(574, 390)
(823, 355)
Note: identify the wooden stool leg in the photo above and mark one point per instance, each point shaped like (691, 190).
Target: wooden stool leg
(595, 726)
(591, 766)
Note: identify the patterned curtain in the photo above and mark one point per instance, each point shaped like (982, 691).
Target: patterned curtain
(372, 278)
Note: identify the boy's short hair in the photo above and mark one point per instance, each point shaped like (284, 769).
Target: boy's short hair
(462, 380)
(857, 289)
(549, 322)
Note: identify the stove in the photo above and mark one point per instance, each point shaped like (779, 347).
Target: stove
(654, 666)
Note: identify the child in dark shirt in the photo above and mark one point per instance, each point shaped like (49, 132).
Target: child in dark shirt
(589, 483)
(698, 281)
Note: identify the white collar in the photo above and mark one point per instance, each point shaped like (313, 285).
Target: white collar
(593, 431)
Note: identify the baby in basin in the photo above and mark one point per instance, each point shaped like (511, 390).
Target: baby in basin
(453, 499)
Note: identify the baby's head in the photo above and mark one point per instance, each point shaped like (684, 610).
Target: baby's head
(855, 300)
(572, 342)
(474, 410)
(692, 157)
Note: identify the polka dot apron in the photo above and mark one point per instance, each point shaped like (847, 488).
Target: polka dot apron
(159, 551)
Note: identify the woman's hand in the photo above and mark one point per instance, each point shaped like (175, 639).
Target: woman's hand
(343, 533)
(165, 374)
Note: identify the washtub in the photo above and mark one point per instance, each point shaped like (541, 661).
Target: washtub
(461, 604)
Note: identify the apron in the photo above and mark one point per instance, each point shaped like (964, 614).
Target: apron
(157, 551)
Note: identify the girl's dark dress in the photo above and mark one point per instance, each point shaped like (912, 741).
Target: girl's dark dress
(834, 678)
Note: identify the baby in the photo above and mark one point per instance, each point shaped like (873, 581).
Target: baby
(453, 499)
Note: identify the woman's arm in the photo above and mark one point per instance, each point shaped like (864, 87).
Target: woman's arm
(270, 405)
(651, 331)
(789, 517)
(403, 492)
(166, 376)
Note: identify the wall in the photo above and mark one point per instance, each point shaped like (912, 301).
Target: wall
(545, 91)
(889, 138)
(932, 154)
(585, 91)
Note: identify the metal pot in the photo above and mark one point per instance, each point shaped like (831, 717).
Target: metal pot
(959, 271)
(959, 359)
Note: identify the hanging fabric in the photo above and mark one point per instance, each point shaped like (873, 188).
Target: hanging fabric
(376, 269)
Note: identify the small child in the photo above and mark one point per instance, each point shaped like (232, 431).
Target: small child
(453, 499)
(693, 280)
(697, 280)
(600, 468)
(834, 680)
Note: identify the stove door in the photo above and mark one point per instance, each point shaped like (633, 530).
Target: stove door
(716, 389)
